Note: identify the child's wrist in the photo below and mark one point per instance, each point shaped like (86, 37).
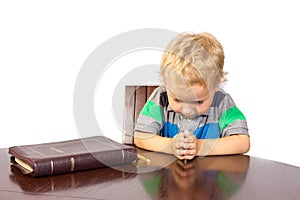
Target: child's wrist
(199, 147)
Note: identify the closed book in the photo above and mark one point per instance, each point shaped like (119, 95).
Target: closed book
(70, 156)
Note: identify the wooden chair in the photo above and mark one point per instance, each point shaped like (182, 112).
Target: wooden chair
(135, 98)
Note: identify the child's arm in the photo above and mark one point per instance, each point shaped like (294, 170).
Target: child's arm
(167, 145)
(153, 142)
(234, 144)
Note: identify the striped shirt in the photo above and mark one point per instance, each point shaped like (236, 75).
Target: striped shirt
(222, 119)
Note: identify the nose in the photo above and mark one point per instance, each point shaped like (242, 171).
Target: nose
(187, 110)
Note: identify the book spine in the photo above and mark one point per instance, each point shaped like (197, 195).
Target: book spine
(82, 162)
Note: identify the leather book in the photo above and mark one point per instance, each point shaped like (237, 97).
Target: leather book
(70, 156)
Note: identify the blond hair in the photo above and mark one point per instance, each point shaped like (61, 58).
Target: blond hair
(194, 59)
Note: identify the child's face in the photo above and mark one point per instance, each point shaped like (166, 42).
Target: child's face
(190, 102)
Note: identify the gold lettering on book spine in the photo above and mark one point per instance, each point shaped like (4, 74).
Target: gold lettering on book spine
(52, 166)
(72, 164)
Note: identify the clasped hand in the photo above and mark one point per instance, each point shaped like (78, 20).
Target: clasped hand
(185, 145)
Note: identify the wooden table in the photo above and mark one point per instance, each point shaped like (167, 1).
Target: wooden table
(218, 177)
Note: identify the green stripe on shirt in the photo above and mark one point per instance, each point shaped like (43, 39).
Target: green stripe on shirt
(152, 110)
(230, 116)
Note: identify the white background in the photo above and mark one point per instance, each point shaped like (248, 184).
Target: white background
(43, 45)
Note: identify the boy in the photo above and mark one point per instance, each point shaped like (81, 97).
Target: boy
(191, 115)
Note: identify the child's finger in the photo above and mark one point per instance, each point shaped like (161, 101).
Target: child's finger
(190, 146)
(187, 133)
(179, 137)
(179, 145)
(179, 155)
(190, 138)
(189, 154)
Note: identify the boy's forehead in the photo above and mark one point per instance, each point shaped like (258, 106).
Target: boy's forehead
(195, 92)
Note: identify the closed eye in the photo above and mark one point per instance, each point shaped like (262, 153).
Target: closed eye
(177, 100)
(199, 102)
(193, 102)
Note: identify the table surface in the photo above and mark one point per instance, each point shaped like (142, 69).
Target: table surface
(216, 177)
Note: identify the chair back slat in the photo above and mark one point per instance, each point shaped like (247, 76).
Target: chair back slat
(135, 99)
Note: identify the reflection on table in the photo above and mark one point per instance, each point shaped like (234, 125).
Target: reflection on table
(201, 178)
(216, 177)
